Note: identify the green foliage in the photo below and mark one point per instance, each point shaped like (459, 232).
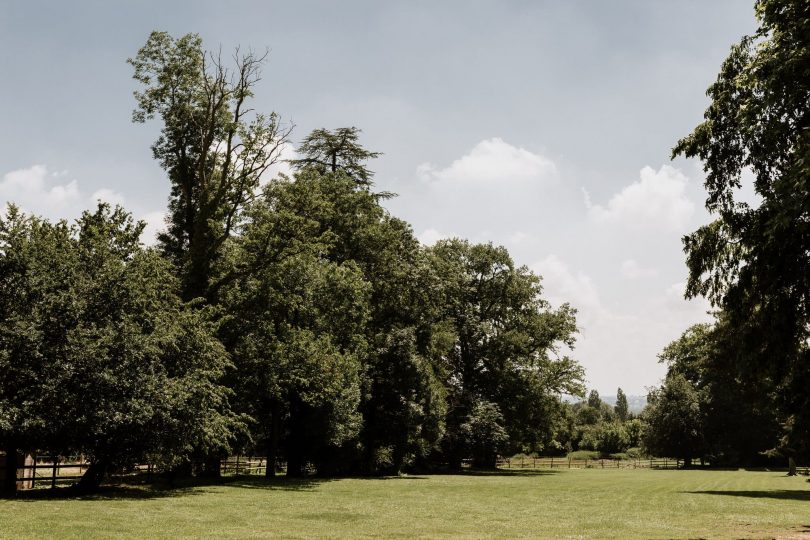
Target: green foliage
(584, 454)
(213, 147)
(739, 420)
(621, 409)
(103, 347)
(335, 151)
(483, 434)
(673, 424)
(503, 343)
(752, 261)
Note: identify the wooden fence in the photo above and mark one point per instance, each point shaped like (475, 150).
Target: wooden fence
(564, 462)
(49, 472)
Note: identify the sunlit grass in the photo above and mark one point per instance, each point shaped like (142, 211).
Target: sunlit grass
(588, 503)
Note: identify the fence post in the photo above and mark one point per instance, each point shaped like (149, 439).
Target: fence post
(55, 470)
(34, 472)
(603, 463)
(552, 462)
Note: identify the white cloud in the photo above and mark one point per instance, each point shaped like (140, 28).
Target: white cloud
(281, 166)
(632, 270)
(428, 237)
(492, 161)
(108, 196)
(561, 284)
(674, 300)
(518, 237)
(617, 343)
(155, 223)
(658, 200)
(36, 190)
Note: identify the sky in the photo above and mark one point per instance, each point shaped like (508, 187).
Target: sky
(543, 126)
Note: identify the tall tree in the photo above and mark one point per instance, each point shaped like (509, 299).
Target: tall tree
(754, 261)
(337, 150)
(621, 408)
(594, 400)
(673, 423)
(503, 346)
(739, 420)
(214, 147)
(37, 268)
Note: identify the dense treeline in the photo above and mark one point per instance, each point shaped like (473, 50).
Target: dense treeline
(292, 317)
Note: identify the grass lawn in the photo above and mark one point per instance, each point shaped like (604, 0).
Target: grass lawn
(588, 503)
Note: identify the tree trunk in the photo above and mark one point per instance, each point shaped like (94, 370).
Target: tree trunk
(791, 466)
(212, 467)
(9, 485)
(295, 444)
(272, 447)
(687, 462)
(93, 476)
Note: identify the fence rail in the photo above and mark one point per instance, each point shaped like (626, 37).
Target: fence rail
(47, 471)
(564, 462)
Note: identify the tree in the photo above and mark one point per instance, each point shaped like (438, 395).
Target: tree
(673, 425)
(483, 434)
(594, 401)
(503, 343)
(213, 146)
(752, 261)
(338, 150)
(739, 421)
(36, 257)
(384, 318)
(123, 370)
(297, 332)
(621, 408)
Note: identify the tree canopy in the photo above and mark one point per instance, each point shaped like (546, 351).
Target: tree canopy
(753, 260)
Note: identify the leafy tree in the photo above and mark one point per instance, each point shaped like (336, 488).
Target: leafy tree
(503, 344)
(213, 146)
(739, 420)
(124, 370)
(34, 254)
(335, 151)
(752, 261)
(673, 420)
(297, 332)
(622, 410)
(386, 314)
(612, 438)
(483, 434)
(594, 401)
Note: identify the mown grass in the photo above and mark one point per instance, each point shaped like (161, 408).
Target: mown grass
(588, 503)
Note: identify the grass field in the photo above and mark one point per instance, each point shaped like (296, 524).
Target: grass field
(588, 503)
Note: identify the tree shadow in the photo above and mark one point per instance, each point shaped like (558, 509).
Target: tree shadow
(503, 472)
(784, 494)
(105, 492)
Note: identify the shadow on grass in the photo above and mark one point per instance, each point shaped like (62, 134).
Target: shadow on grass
(139, 488)
(503, 472)
(784, 494)
(106, 492)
